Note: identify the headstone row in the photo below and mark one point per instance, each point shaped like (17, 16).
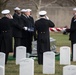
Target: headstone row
(27, 64)
(65, 60)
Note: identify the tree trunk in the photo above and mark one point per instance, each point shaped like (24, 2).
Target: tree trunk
(3, 4)
(38, 9)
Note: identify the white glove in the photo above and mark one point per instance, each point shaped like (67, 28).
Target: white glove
(64, 29)
(25, 28)
(47, 17)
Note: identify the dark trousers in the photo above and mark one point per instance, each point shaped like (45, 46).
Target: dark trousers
(28, 44)
(4, 49)
(72, 43)
(17, 42)
(40, 58)
(5, 45)
(23, 42)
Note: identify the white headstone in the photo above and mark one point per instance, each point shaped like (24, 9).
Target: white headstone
(69, 70)
(20, 53)
(2, 71)
(2, 59)
(27, 67)
(49, 62)
(74, 52)
(65, 55)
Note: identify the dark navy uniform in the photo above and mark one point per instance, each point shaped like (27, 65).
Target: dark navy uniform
(17, 32)
(27, 35)
(24, 32)
(5, 36)
(72, 35)
(30, 34)
(43, 41)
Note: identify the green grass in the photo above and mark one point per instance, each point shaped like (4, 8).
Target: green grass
(13, 69)
(61, 40)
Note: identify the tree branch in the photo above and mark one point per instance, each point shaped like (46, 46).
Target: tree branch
(53, 2)
(2, 2)
(60, 3)
(35, 3)
(39, 6)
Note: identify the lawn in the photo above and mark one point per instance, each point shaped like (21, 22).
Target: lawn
(61, 40)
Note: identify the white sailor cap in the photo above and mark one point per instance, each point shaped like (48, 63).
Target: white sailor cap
(42, 12)
(23, 10)
(16, 8)
(28, 10)
(74, 9)
(6, 11)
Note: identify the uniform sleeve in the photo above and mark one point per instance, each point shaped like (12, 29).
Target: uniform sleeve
(51, 24)
(15, 24)
(73, 27)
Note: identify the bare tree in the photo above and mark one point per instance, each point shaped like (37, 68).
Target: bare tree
(3, 4)
(39, 6)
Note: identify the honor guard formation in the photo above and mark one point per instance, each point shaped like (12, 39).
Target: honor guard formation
(24, 29)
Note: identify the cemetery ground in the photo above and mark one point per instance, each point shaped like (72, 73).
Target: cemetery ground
(61, 40)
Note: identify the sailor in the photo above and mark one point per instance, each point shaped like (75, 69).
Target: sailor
(29, 27)
(5, 34)
(30, 31)
(72, 31)
(17, 30)
(42, 35)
